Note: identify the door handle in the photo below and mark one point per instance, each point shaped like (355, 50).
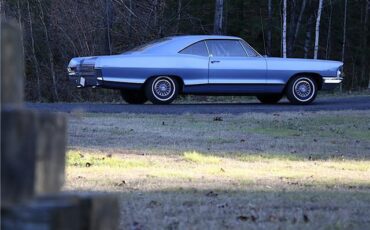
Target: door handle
(215, 61)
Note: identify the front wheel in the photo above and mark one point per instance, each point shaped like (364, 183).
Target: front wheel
(161, 90)
(270, 98)
(301, 90)
(133, 97)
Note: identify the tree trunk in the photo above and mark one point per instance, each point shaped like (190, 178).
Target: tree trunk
(50, 53)
(307, 42)
(284, 28)
(328, 47)
(218, 21)
(108, 21)
(344, 42)
(20, 25)
(130, 19)
(291, 26)
(269, 32)
(179, 9)
(34, 58)
(299, 22)
(344, 30)
(364, 62)
(317, 29)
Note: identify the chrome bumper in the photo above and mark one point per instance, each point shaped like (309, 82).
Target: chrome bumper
(332, 80)
(82, 79)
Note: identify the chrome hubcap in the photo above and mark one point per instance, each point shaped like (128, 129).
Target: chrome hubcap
(304, 89)
(163, 88)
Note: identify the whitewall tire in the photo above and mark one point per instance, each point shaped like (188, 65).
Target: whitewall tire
(161, 89)
(302, 90)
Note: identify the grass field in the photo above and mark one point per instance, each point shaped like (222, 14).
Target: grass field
(196, 99)
(269, 171)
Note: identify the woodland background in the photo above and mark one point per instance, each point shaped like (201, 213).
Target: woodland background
(54, 31)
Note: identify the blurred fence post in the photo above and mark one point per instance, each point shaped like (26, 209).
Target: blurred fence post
(33, 147)
(12, 67)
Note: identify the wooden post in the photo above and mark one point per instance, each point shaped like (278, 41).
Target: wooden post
(33, 143)
(33, 160)
(12, 67)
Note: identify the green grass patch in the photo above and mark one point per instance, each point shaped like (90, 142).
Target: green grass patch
(276, 131)
(78, 159)
(201, 158)
(269, 157)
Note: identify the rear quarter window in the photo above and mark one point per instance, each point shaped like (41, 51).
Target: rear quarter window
(199, 49)
(226, 48)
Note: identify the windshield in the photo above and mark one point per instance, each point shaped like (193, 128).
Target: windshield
(149, 45)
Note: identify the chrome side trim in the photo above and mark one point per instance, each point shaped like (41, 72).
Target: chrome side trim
(332, 80)
(237, 81)
(124, 80)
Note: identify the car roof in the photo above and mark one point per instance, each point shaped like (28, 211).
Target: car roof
(174, 44)
(202, 37)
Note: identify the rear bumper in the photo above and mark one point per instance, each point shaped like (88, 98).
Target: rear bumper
(330, 83)
(85, 79)
(96, 80)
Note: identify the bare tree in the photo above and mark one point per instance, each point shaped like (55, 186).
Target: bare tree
(34, 58)
(218, 21)
(328, 47)
(344, 30)
(299, 22)
(50, 53)
(269, 32)
(179, 9)
(108, 21)
(317, 29)
(284, 28)
(307, 42)
(130, 18)
(19, 10)
(344, 41)
(364, 61)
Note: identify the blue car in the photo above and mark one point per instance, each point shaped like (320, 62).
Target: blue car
(209, 65)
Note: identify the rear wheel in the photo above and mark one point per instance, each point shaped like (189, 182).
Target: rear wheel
(270, 98)
(301, 90)
(133, 97)
(161, 89)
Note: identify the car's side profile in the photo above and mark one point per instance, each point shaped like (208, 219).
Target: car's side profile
(211, 65)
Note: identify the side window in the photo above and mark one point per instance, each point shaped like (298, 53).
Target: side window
(198, 48)
(226, 48)
(249, 49)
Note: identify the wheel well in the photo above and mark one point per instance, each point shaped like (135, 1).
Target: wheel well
(317, 77)
(178, 79)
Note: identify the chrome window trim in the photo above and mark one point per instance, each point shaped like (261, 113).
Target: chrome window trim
(237, 40)
(246, 53)
(241, 42)
(194, 44)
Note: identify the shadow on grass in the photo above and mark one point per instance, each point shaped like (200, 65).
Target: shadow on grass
(243, 209)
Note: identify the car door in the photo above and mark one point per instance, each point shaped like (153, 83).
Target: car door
(235, 62)
(192, 64)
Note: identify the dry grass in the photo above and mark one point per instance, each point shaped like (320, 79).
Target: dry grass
(195, 99)
(286, 170)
